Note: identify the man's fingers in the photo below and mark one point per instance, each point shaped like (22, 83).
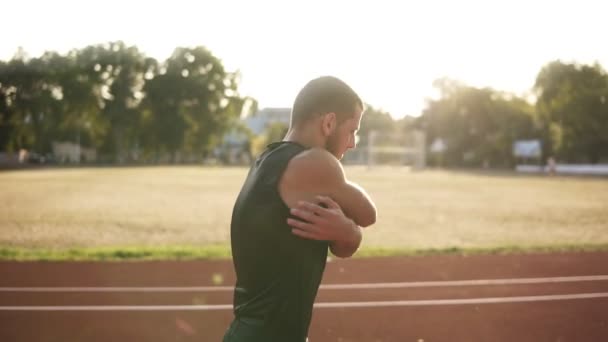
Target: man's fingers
(304, 234)
(301, 225)
(311, 207)
(305, 214)
(331, 204)
(303, 229)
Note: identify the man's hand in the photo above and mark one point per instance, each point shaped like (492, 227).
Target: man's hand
(326, 224)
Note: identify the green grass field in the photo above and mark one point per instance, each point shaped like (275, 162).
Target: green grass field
(180, 212)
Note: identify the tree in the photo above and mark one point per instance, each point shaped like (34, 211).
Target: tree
(117, 73)
(28, 103)
(478, 126)
(6, 124)
(573, 110)
(115, 99)
(276, 131)
(375, 120)
(77, 90)
(191, 102)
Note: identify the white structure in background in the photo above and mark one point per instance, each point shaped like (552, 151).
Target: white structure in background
(438, 146)
(582, 169)
(527, 150)
(567, 169)
(67, 152)
(399, 148)
(437, 152)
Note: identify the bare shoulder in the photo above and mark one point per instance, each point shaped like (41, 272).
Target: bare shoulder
(314, 165)
(310, 173)
(318, 172)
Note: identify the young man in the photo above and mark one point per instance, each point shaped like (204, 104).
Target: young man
(295, 205)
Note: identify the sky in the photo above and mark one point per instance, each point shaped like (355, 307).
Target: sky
(390, 52)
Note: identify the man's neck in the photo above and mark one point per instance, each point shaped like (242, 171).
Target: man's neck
(304, 136)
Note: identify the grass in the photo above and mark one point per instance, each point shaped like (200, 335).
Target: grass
(116, 253)
(220, 252)
(184, 212)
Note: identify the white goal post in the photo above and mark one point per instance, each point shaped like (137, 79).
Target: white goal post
(397, 148)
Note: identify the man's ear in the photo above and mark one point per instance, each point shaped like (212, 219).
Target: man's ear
(329, 124)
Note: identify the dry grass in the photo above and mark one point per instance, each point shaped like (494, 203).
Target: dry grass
(446, 209)
(191, 206)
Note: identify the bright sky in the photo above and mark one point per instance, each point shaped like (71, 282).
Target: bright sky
(388, 51)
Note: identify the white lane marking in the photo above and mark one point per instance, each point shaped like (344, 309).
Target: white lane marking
(489, 300)
(479, 282)
(362, 286)
(432, 302)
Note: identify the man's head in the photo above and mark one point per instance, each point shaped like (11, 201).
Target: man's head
(332, 109)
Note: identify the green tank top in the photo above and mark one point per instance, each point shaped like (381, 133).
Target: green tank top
(278, 273)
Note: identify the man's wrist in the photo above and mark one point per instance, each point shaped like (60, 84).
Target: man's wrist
(349, 244)
(354, 235)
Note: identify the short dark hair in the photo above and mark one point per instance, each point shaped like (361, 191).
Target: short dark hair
(323, 95)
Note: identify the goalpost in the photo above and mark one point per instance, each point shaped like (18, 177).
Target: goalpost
(396, 149)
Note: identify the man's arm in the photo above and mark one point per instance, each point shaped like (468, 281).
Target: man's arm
(327, 223)
(346, 248)
(318, 172)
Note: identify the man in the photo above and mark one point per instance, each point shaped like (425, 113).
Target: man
(295, 204)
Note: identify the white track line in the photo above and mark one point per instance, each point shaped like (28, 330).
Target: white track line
(362, 286)
(402, 303)
(480, 282)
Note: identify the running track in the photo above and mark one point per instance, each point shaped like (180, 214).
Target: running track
(535, 297)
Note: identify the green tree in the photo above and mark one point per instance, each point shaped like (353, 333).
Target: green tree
(117, 73)
(6, 123)
(375, 119)
(276, 131)
(28, 103)
(573, 110)
(77, 91)
(478, 126)
(191, 101)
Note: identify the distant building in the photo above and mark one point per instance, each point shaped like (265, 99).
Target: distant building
(258, 122)
(236, 145)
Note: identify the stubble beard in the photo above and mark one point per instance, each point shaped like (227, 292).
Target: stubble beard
(331, 145)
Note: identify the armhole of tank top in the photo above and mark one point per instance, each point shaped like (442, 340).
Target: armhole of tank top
(276, 188)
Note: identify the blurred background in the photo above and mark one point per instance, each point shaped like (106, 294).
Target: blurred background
(473, 94)
(127, 129)
(183, 82)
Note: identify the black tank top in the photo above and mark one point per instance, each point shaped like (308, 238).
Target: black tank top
(278, 273)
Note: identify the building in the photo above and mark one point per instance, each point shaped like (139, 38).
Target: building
(259, 121)
(236, 145)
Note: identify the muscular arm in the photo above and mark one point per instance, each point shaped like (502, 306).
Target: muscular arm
(317, 172)
(347, 247)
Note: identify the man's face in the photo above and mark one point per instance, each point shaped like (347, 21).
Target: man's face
(344, 136)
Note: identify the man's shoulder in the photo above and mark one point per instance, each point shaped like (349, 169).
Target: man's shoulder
(315, 160)
(313, 166)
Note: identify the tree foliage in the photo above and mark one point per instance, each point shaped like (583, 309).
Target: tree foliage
(116, 99)
(572, 107)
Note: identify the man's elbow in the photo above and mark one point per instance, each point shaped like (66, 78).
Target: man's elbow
(345, 250)
(368, 219)
(343, 254)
